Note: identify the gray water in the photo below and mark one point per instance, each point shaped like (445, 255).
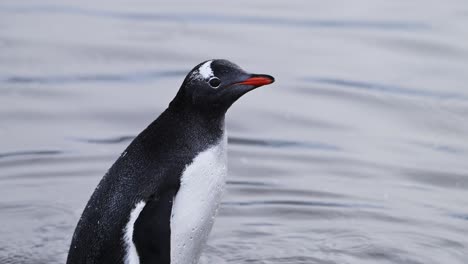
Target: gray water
(357, 154)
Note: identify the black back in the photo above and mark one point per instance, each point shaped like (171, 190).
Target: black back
(150, 171)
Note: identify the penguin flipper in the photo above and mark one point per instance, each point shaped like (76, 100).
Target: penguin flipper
(152, 231)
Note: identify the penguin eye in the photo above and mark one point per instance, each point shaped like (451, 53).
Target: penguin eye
(214, 82)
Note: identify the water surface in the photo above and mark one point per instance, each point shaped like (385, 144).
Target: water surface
(357, 154)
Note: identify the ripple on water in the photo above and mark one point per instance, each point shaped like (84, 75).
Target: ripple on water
(357, 154)
(132, 77)
(386, 88)
(209, 18)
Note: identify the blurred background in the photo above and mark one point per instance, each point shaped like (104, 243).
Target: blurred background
(357, 154)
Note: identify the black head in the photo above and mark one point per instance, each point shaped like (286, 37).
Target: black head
(215, 85)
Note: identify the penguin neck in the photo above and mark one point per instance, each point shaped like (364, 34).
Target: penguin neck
(181, 105)
(184, 101)
(197, 117)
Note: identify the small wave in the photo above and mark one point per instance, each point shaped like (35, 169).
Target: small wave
(439, 147)
(203, 18)
(273, 143)
(111, 140)
(384, 88)
(460, 216)
(304, 203)
(30, 153)
(247, 183)
(131, 77)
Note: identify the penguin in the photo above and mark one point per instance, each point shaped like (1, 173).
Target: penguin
(157, 202)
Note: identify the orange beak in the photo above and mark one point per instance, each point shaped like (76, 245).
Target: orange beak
(258, 80)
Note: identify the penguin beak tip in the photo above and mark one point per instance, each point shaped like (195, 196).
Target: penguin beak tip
(258, 80)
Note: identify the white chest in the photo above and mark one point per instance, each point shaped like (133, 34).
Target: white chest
(196, 203)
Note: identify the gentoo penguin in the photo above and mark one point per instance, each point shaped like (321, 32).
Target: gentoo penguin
(158, 201)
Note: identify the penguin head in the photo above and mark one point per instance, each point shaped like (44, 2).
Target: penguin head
(214, 85)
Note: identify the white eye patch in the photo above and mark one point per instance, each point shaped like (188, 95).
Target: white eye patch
(205, 70)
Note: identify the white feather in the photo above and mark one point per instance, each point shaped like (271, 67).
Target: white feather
(205, 70)
(196, 203)
(131, 256)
